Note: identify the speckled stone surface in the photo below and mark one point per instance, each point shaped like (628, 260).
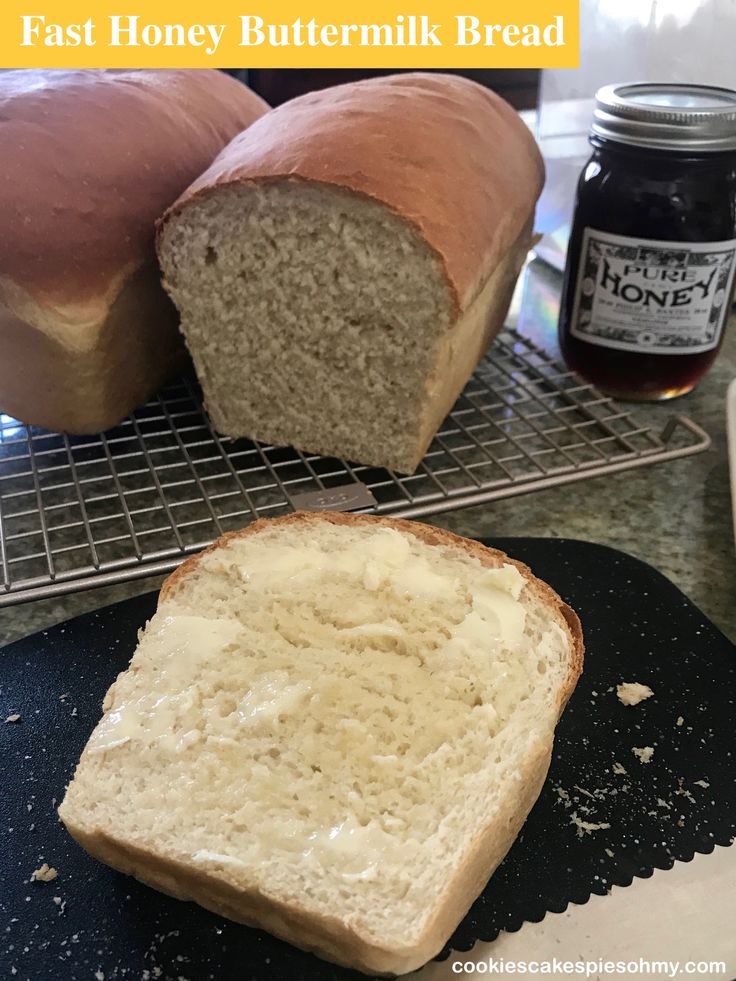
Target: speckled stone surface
(676, 516)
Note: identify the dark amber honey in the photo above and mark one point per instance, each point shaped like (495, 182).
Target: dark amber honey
(647, 194)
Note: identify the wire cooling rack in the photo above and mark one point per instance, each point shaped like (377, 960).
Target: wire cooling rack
(81, 511)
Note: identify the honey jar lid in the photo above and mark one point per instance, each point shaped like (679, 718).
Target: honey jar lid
(667, 116)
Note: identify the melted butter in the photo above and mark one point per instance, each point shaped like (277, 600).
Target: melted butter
(388, 547)
(220, 858)
(382, 558)
(389, 628)
(169, 714)
(416, 578)
(373, 575)
(347, 848)
(267, 563)
(271, 696)
(508, 579)
(501, 614)
(181, 644)
(474, 629)
(276, 563)
(496, 612)
(150, 719)
(353, 849)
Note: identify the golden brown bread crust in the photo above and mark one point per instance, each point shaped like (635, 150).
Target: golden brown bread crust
(329, 936)
(91, 158)
(46, 382)
(462, 347)
(415, 143)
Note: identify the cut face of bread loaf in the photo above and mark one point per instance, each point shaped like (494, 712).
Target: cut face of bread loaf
(341, 267)
(91, 159)
(332, 728)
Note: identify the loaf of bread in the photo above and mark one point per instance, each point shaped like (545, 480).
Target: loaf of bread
(332, 728)
(90, 160)
(343, 265)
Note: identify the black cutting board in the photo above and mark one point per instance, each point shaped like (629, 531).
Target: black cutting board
(638, 626)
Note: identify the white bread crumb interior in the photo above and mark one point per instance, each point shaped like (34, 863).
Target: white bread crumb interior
(328, 715)
(633, 692)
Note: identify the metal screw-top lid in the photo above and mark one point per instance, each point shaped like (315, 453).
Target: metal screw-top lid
(667, 116)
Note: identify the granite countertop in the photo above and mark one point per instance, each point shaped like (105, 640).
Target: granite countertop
(676, 515)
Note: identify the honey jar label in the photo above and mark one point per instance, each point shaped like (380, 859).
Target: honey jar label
(650, 296)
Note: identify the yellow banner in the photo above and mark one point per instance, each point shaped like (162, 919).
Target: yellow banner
(307, 34)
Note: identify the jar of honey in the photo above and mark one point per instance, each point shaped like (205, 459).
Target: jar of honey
(650, 267)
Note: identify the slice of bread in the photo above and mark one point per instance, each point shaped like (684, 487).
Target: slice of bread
(333, 728)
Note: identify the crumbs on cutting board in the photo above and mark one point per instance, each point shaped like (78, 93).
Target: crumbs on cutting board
(632, 692)
(585, 818)
(643, 753)
(46, 873)
(63, 697)
(682, 791)
(14, 717)
(587, 827)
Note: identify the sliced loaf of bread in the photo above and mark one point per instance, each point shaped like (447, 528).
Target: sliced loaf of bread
(332, 728)
(343, 265)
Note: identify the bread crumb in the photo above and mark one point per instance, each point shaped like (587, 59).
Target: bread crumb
(701, 783)
(45, 874)
(618, 768)
(13, 718)
(631, 692)
(683, 791)
(608, 852)
(586, 827)
(680, 720)
(644, 753)
(100, 975)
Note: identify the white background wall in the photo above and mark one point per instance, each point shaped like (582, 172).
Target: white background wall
(649, 40)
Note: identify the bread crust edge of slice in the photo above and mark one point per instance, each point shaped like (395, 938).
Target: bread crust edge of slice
(329, 936)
